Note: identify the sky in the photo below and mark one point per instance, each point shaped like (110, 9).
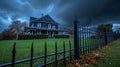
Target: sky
(89, 12)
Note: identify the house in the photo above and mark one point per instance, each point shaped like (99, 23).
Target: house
(43, 25)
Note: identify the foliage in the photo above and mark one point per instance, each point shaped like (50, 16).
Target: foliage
(27, 37)
(8, 35)
(107, 27)
(61, 36)
(0, 36)
(92, 37)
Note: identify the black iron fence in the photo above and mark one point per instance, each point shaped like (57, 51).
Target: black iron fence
(86, 40)
(56, 53)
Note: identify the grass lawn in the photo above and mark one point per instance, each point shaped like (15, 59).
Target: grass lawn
(110, 54)
(23, 49)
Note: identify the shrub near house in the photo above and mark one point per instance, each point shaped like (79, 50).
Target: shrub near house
(61, 36)
(27, 37)
(42, 36)
(0, 37)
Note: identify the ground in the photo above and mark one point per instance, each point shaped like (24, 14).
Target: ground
(110, 53)
(23, 49)
(107, 56)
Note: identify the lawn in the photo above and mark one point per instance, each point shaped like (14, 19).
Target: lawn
(110, 55)
(23, 49)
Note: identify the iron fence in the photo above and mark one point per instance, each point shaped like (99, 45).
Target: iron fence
(85, 41)
(56, 53)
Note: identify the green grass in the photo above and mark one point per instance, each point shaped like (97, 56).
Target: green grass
(23, 49)
(110, 55)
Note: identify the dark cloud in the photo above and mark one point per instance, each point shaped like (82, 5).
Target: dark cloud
(63, 11)
(91, 10)
(40, 3)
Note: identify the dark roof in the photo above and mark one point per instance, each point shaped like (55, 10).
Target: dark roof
(44, 19)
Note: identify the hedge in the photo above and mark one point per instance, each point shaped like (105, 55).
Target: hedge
(0, 37)
(28, 37)
(92, 37)
(61, 36)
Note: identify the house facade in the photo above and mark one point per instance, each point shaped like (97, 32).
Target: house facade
(43, 25)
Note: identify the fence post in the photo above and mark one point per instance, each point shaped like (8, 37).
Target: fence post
(105, 36)
(76, 39)
(13, 54)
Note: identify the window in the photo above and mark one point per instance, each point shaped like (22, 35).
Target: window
(32, 25)
(35, 24)
(49, 26)
(56, 26)
(44, 25)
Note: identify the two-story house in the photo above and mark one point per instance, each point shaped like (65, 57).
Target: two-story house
(43, 25)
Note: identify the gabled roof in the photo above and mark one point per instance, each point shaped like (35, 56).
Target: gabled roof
(44, 19)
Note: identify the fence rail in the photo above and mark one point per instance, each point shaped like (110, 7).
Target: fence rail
(85, 41)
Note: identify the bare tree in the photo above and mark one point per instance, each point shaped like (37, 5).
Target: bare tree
(17, 27)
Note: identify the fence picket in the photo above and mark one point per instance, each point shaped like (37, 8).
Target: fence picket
(45, 58)
(31, 61)
(13, 54)
(64, 53)
(56, 54)
(70, 51)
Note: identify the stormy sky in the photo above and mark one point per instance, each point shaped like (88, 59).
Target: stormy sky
(90, 12)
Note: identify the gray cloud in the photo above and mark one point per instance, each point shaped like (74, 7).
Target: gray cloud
(63, 11)
(91, 10)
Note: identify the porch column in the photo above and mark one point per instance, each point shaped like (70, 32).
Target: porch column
(53, 33)
(39, 31)
(47, 32)
(32, 32)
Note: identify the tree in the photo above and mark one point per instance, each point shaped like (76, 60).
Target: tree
(107, 27)
(17, 27)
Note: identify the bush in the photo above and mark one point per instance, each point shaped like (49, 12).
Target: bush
(0, 37)
(7, 35)
(92, 37)
(61, 36)
(28, 37)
